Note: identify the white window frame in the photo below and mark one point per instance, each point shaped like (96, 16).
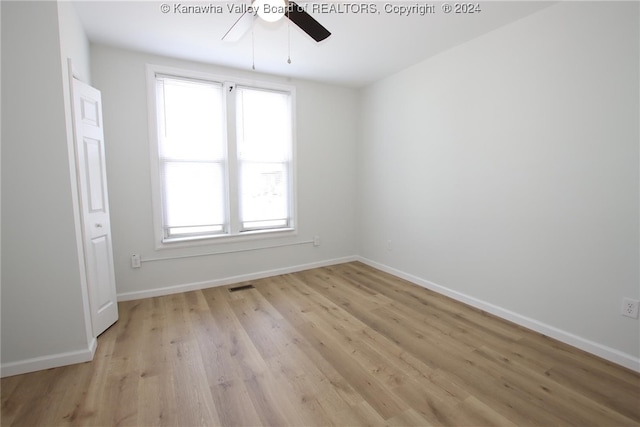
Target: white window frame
(235, 233)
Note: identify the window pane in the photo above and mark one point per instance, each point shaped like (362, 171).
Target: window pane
(194, 195)
(194, 231)
(193, 120)
(264, 125)
(264, 196)
(264, 132)
(261, 225)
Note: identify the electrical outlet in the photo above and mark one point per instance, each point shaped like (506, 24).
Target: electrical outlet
(135, 261)
(316, 240)
(630, 308)
(389, 247)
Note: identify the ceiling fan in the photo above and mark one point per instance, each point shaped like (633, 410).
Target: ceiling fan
(273, 10)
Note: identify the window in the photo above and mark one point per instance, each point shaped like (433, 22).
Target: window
(223, 157)
(264, 157)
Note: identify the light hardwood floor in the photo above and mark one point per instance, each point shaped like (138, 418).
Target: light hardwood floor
(342, 345)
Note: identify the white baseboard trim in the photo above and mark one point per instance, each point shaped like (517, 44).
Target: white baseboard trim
(169, 290)
(49, 361)
(608, 353)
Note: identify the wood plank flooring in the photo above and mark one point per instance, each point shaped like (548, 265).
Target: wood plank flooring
(343, 345)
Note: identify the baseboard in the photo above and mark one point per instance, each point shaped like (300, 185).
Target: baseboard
(608, 353)
(169, 290)
(49, 361)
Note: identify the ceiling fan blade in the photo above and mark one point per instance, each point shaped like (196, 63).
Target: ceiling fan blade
(302, 19)
(239, 28)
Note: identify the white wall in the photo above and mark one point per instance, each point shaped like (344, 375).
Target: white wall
(326, 154)
(43, 316)
(73, 42)
(505, 172)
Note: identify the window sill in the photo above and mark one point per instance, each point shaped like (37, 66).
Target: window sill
(186, 242)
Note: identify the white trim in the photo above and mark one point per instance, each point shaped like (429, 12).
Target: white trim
(225, 238)
(152, 121)
(232, 251)
(603, 351)
(186, 287)
(50, 361)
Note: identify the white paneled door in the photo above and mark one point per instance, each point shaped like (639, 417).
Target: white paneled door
(94, 204)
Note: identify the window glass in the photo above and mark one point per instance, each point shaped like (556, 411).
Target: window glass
(264, 153)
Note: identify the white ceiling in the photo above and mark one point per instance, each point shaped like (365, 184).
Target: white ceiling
(363, 47)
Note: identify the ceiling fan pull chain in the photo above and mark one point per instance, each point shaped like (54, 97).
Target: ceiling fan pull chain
(289, 42)
(253, 51)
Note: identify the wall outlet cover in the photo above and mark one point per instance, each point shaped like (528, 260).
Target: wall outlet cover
(135, 261)
(630, 307)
